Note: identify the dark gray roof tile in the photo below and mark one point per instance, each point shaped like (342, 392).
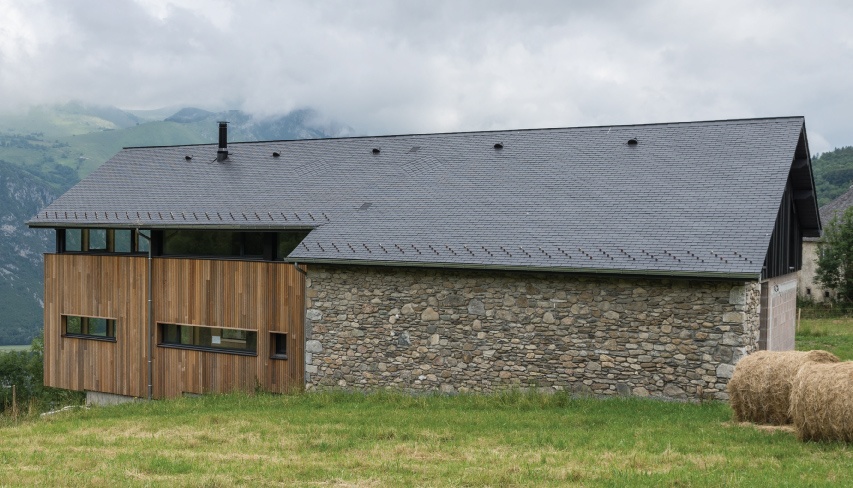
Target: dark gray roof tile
(696, 198)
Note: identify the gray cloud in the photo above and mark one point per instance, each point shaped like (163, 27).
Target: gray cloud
(413, 66)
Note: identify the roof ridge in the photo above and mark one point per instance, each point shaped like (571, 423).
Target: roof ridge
(484, 132)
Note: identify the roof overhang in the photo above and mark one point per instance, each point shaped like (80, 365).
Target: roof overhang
(803, 185)
(536, 269)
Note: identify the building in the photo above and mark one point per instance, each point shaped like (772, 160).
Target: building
(635, 260)
(808, 287)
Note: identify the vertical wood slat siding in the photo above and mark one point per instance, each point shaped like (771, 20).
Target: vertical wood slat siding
(96, 286)
(263, 296)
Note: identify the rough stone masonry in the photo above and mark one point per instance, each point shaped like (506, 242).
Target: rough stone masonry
(417, 329)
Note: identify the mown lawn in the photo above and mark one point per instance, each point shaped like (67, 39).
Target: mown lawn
(833, 335)
(339, 439)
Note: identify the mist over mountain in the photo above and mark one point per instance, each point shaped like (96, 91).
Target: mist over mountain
(47, 149)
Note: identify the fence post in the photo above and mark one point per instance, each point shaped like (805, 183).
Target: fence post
(799, 317)
(14, 404)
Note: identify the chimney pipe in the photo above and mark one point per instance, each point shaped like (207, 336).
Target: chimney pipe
(222, 153)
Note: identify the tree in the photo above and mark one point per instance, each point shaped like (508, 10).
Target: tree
(835, 256)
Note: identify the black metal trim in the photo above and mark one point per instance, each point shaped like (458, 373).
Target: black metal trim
(207, 349)
(89, 337)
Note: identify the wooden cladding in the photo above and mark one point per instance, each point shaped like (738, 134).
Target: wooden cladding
(267, 297)
(96, 286)
(262, 296)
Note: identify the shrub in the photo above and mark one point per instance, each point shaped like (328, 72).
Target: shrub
(25, 370)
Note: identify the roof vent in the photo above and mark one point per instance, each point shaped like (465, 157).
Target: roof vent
(365, 206)
(415, 149)
(633, 142)
(375, 150)
(276, 154)
(188, 157)
(222, 153)
(499, 145)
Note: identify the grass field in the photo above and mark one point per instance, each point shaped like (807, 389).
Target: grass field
(340, 439)
(25, 347)
(393, 440)
(833, 335)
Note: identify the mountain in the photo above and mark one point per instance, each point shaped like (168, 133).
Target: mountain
(47, 149)
(21, 248)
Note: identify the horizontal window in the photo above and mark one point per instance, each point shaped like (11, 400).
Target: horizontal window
(88, 327)
(238, 341)
(226, 243)
(101, 241)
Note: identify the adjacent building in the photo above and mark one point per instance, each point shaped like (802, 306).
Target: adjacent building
(809, 288)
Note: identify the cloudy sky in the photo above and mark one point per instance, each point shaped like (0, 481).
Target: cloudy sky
(386, 67)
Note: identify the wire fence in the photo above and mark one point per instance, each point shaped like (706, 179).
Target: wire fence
(827, 310)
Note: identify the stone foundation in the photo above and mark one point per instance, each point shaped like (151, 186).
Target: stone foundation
(483, 331)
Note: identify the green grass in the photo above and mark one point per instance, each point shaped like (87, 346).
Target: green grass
(834, 335)
(24, 347)
(395, 440)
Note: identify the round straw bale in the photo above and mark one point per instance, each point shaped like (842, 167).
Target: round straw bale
(822, 402)
(760, 388)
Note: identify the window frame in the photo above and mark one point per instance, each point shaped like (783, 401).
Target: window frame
(277, 338)
(85, 241)
(111, 326)
(161, 339)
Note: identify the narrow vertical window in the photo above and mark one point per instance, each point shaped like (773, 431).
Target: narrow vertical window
(97, 239)
(141, 242)
(278, 345)
(73, 240)
(122, 240)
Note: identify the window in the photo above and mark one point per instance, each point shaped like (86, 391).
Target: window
(97, 240)
(278, 345)
(88, 327)
(287, 242)
(215, 339)
(808, 291)
(143, 241)
(202, 243)
(226, 243)
(101, 241)
(73, 240)
(122, 240)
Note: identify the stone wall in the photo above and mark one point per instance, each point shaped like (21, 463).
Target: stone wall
(460, 330)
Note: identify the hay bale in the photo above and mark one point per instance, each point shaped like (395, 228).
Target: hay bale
(822, 402)
(760, 388)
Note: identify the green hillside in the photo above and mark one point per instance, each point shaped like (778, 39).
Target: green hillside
(833, 173)
(82, 137)
(81, 140)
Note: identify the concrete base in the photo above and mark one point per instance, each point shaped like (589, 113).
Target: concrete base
(100, 399)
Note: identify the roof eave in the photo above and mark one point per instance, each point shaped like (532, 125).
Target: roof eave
(176, 225)
(547, 269)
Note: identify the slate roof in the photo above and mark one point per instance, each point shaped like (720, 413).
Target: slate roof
(837, 206)
(696, 198)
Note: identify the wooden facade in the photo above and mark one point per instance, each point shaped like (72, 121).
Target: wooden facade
(264, 296)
